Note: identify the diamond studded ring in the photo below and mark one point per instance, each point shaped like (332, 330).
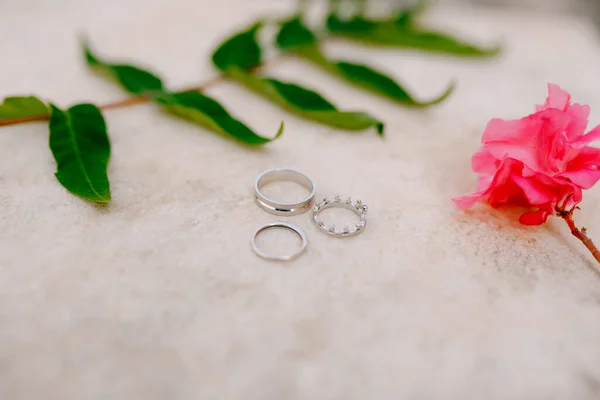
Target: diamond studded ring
(358, 208)
(284, 208)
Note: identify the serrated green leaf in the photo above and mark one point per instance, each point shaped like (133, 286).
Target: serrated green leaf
(294, 33)
(360, 75)
(305, 102)
(133, 79)
(81, 148)
(240, 50)
(403, 32)
(206, 112)
(378, 83)
(22, 107)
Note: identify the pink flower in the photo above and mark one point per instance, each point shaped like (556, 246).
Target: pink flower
(540, 162)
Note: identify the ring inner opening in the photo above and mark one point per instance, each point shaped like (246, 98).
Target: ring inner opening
(285, 187)
(339, 216)
(278, 241)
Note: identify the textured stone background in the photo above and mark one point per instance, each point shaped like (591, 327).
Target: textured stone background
(158, 296)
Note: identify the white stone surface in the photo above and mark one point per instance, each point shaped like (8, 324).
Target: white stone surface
(158, 295)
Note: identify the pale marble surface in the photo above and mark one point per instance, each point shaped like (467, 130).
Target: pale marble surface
(158, 296)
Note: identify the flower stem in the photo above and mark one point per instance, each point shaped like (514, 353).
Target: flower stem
(581, 234)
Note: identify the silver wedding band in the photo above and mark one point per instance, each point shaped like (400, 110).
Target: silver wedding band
(284, 208)
(284, 225)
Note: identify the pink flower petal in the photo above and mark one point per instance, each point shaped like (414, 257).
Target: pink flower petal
(558, 120)
(503, 190)
(579, 120)
(536, 192)
(483, 162)
(517, 151)
(587, 158)
(500, 130)
(484, 182)
(534, 139)
(534, 218)
(469, 201)
(585, 178)
(557, 98)
(588, 138)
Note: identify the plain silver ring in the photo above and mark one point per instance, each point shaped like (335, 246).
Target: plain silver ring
(284, 225)
(283, 208)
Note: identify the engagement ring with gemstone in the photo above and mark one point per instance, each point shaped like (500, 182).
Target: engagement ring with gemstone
(358, 208)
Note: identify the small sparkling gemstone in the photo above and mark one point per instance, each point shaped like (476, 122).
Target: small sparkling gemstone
(332, 229)
(365, 208)
(346, 230)
(321, 224)
(337, 197)
(349, 201)
(358, 204)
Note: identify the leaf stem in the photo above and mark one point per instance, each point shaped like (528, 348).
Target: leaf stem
(580, 234)
(23, 120)
(131, 101)
(144, 98)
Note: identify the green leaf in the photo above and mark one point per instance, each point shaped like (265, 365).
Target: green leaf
(294, 33)
(241, 50)
(192, 106)
(408, 15)
(206, 112)
(380, 84)
(81, 148)
(22, 107)
(133, 79)
(429, 41)
(305, 102)
(355, 25)
(403, 32)
(360, 75)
